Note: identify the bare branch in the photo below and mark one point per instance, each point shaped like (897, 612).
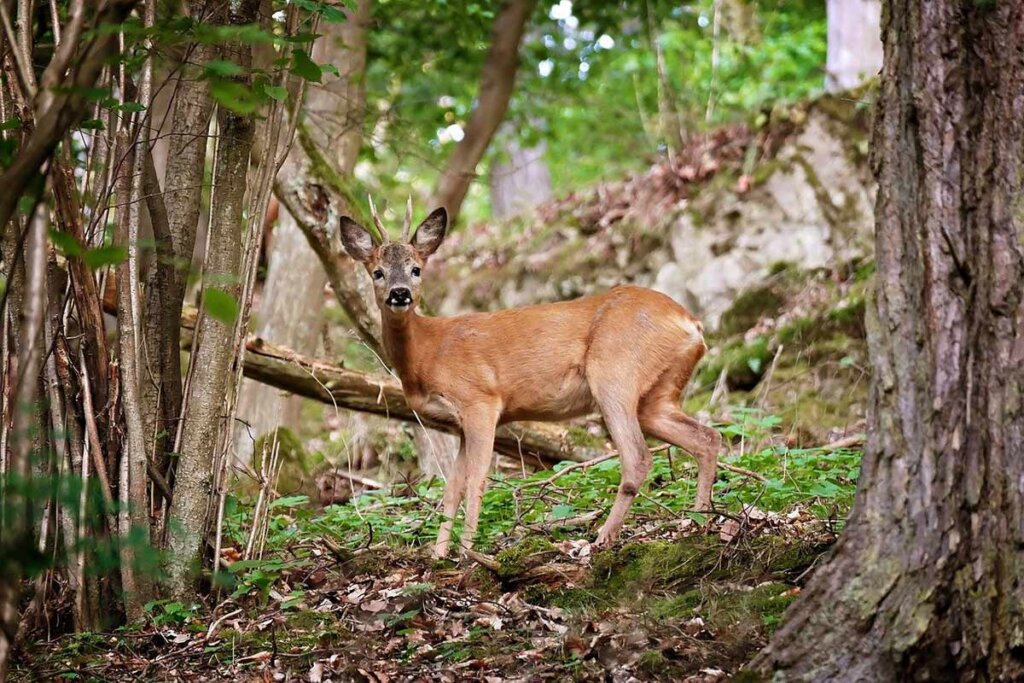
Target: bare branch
(66, 107)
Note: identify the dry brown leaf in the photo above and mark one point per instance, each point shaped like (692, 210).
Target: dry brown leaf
(374, 606)
(730, 528)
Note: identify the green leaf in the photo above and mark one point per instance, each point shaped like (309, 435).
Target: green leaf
(91, 124)
(66, 243)
(10, 124)
(235, 96)
(562, 511)
(276, 92)
(222, 67)
(332, 14)
(290, 502)
(699, 518)
(221, 305)
(109, 255)
(305, 67)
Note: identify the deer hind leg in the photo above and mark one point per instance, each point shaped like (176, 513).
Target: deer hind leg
(662, 419)
(454, 490)
(635, 459)
(479, 433)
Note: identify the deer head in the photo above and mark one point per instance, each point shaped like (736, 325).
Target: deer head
(395, 267)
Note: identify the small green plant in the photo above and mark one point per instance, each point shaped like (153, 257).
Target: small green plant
(170, 613)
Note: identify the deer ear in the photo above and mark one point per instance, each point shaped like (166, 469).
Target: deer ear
(430, 232)
(356, 239)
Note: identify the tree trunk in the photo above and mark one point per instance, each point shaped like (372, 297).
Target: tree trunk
(496, 82)
(291, 308)
(316, 198)
(182, 196)
(134, 513)
(17, 549)
(521, 182)
(925, 583)
(215, 339)
(854, 42)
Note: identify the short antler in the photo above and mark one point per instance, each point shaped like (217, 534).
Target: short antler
(407, 225)
(383, 232)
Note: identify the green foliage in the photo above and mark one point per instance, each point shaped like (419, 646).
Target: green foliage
(221, 305)
(588, 80)
(170, 612)
(95, 258)
(257, 577)
(819, 480)
(88, 509)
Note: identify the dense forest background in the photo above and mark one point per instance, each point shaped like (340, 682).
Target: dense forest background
(209, 469)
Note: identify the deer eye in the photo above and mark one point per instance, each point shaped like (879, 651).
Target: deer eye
(378, 274)
(416, 271)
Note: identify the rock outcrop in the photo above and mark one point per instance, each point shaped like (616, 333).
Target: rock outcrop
(704, 229)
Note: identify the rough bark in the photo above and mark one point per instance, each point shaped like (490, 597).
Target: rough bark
(925, 582)
(132, 491)
(315, 201)
(520, 182)
(213, 349)
(854, 50)
(496, 83)
(83, 285)
(18, 546)
(290, 310)
(175, 230)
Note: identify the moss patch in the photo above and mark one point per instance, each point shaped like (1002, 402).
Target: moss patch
(749, 307)
(530, 552)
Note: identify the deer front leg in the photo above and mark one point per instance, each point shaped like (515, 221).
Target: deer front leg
(454, 490)
(479, 430)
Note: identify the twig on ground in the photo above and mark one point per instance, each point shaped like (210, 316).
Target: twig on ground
(740, 470)
(578, 520)
(846, 442)
(365, 481)
(483, 560)
(213, 627)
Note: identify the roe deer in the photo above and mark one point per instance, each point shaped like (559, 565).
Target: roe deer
(627, 353)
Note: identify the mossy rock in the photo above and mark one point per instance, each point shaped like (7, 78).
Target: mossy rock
(297, 466)
(749, 307)
(289, 447)
(744, 365)
(670, 574)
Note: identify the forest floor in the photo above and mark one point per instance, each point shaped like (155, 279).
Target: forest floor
(349, 592)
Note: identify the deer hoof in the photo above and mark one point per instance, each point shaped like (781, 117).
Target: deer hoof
(439, 551)
(605, 537)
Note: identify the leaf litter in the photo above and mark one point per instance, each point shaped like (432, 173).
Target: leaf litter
(560, 610)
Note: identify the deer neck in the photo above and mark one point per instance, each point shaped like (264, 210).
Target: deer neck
(400, 334)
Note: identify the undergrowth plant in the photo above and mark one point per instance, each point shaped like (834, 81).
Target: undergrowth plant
(821, 481)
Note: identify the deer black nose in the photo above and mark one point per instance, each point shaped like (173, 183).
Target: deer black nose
(400, 296)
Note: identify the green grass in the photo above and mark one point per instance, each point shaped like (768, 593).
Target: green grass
(821, 481)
